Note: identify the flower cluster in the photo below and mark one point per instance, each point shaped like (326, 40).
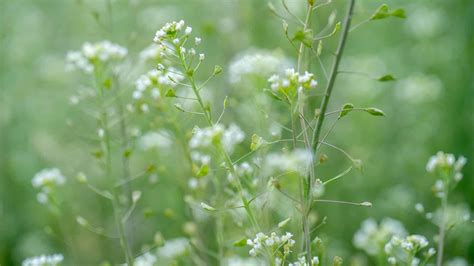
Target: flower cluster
(372, 237)
(92, 53)
(448, 168)
(47, 180)
(292, 82)
(296, 161)
(272, 242)
(404, 249)
(170, 31)
(155, 82)
(44, 260)
(207, 137)
(255, 64)
(146, 259)
(302, 262)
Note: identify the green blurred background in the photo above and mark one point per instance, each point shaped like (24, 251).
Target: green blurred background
(429, 108)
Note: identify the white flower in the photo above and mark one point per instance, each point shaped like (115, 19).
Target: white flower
(146, 259)
(197, 40)
(173, 248)
(155, 140)
(44, 260)
(292, 81)
(103, 51)
(48, 177)
(201, 57)
(188, 30)
(419, 207)
(298, 160)
(392, 260)
(256, 63)
(370, 235)
(203, 138)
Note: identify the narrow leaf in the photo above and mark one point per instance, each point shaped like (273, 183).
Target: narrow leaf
(380, 13)
(387, 77)
(374, 111)
(347, 108)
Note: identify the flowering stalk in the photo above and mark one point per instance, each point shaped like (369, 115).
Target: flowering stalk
(442, 229)
(306, 196)
(108, 167)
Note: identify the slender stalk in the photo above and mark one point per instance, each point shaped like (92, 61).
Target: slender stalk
(306, 197)
(442, 230)
(332, 77)
(108, 168)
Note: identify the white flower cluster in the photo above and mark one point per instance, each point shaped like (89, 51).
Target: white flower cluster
(207, 137)
(154, 80)
(292, 81)
(91, 53)
(296, 161)
(446, 162)
(47, 180)
(153, 53)
(146, 259)
(171, 38)
(171, 30)
(302, 262)
(174, 248)
(400, 249)
(155, 140)
(273, 242)
(44, 260)
(255, 64)
(371, 237)
(241, 169)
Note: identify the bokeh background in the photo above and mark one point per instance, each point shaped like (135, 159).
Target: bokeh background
(429, 107)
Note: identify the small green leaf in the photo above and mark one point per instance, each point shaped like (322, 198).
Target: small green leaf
(387, 77)
(240, 243)
(319, 50)
(225, 102)
(380, 13)
(374, 111)
(347, 108)
(306, 37)
(284, 222)
(203, 171)
(257, 141)
(170, 93)
(207, 207)
(217, 69)
(179, 107)
(358, 164)
(108, 83)
(399, 13)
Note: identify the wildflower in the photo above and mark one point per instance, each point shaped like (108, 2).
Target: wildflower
(44, 260)
(153, 53)
(174, 248)
(292, 82)
(272, 241)
(47, 180)
(371, 237)
(155, 140)
(146, 259)
(256, 63)
(206, 137)
(91, 53)
(298, 160)
(201, 57)
(169, 31)
(419, 208)
(443, 161)
(401, 249)
(197, 40)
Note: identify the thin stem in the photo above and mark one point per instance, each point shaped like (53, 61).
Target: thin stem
(306, 195)
(442, 230)
(108, 167)
(332, 78)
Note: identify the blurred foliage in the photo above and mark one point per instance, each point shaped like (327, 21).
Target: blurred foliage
(429, 107)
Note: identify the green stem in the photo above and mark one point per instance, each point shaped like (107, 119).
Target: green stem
(306, 187)
(332, 77)
(108, 166)
(442, 230)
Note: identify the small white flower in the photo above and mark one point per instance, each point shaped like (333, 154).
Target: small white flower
(201, 57)
(197, 40)
(188, 30)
